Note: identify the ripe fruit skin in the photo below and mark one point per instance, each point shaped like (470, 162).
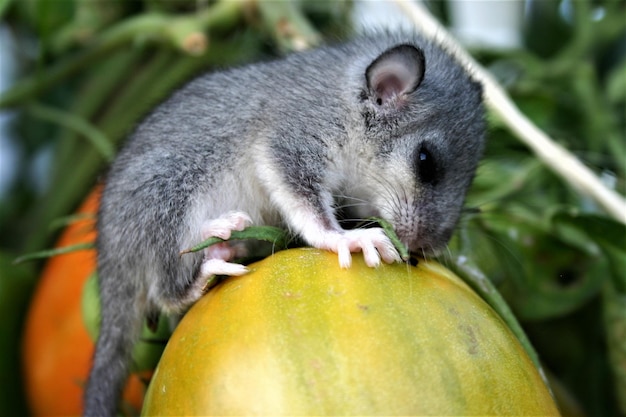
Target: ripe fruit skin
(300, 336)
(57, 348)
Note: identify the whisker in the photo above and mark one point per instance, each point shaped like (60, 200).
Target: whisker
(357, 220)
(348, 197)
(358, 204)
(388, 189)
(446, 256)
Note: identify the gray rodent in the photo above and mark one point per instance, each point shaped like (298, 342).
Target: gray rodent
(386, 125)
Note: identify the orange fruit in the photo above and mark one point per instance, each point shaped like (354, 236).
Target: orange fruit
(57, 349)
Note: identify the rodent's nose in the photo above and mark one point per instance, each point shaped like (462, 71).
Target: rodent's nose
(427, 243)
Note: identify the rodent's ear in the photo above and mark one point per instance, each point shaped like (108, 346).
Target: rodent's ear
(397, 71)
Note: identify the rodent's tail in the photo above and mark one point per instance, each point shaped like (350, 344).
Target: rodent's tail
(121, 320)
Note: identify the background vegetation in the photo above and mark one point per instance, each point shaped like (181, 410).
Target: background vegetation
(88, 71)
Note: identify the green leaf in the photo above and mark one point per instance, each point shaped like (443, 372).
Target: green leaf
(539, 273)
(53, 252)
(147, 350)
(615, 322)
(608, 234)
(4, 6)
(616, 84)
(90, 306)
(16, 286)
(278, 237)
(65, 221)
(76, 123)
(391, 234)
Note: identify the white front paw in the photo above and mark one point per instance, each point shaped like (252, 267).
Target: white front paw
(373, 242)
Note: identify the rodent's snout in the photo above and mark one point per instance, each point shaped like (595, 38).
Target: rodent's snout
(425, 242)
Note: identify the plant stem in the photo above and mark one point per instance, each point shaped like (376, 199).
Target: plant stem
(177, 30)
(289, 26)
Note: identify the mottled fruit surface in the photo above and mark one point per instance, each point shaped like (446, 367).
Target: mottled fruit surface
(300, 336)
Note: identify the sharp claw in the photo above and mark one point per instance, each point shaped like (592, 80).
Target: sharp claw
(345, 258)
(374, 244)
(372, 258)
(389, 254)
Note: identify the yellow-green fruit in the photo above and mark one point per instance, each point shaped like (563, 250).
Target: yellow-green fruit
(300, 336)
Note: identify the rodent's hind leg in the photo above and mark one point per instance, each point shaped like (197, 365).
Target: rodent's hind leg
(217, 257)
(225, 224)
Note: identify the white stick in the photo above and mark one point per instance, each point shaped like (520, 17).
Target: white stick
(557, 158)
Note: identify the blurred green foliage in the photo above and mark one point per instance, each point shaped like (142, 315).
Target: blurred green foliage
(559, 262)
(89, 70)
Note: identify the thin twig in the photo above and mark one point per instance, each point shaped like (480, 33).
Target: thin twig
(556, 157)
(291, 29)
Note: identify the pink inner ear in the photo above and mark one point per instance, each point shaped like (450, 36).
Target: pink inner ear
(395, 72)
(388, 85)
(391, 80)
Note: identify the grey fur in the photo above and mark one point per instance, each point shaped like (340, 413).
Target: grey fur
(299, 133)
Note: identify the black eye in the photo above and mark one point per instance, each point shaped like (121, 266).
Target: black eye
(425, 166)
